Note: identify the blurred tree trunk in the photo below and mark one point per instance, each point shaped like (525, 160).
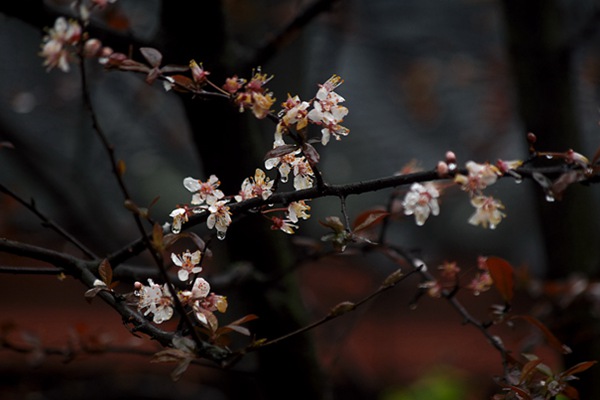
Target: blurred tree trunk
(542, 62)
(230, 146)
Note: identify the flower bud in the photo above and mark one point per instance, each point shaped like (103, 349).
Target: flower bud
(92, 48)
(442, 169)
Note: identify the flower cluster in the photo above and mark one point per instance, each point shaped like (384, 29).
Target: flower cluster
(258, 186)
(203, 302)
(58, 44)
(205, 197)
(61, 44)
(449, 279)
(208, 198)
(295, 211)
(480, 176)
(327, 112)
(297, 159)
(483, 280)
(295, 163)
(156, 300)
(251, 95)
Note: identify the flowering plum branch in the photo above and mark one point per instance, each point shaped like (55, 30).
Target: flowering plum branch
(301, 126)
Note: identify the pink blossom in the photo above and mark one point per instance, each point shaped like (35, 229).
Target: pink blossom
(284, 162)
(327, 111)
(203, 192)
(259, 186)
(303, 174)
(487, 212)
(155, 299)
(298, 209)
(58, 44)
(219, 218)
(188, 264)
(284, 225)
(480, 176)
(180, 216)
(421, 201)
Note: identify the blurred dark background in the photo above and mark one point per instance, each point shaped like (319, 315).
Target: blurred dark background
(421, 78)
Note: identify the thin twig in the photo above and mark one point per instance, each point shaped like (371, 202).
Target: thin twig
(449, 295)
(48, 222)
(341, 309)
(138, 221)
(275, 42)
(4, 269)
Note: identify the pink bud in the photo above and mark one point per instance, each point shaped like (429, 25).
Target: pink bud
(92, 48)
(442, 169)
(450, 157)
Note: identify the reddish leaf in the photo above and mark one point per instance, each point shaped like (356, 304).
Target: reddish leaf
(596, 156)
(154, 201)
(502, 274)
(570, 392)
(529, 369)
(153, 56)
(244, 319)
(236, 328)
(369, 218)
(157, 237)
(170, 239)
(280, 151)
(93, 292)
(311, 154)
(182, 83)
(334, 223)
(564, 181)
(131, 206)
(235, 325)
(153, 75)
(121, 167)
(131, 65)
(550, 338)
(577, 368)
(171, 68)
(105, 272)
(117, 20)
(524, 394)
